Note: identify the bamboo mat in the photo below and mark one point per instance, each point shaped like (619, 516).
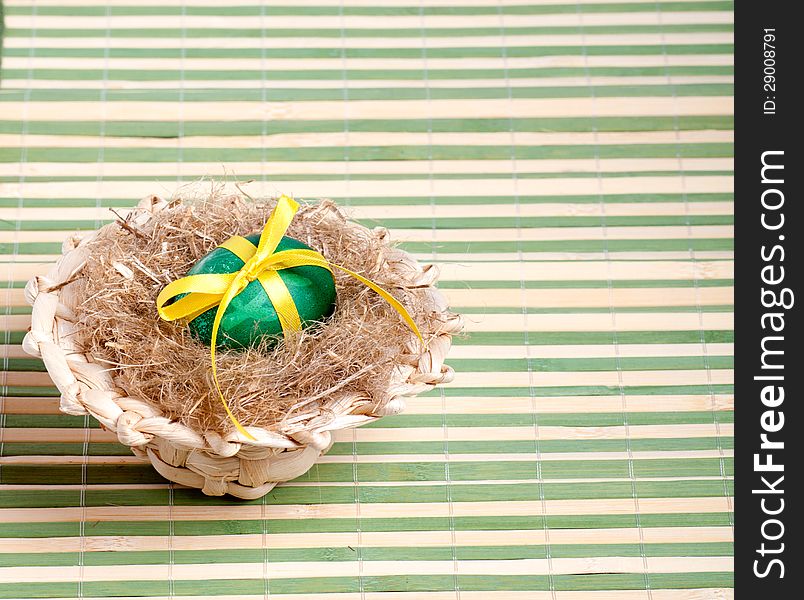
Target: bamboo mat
(569, 164)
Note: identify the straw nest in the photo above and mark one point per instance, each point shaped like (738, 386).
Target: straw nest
(94, 323)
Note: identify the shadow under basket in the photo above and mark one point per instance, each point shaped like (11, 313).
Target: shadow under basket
(218, 463)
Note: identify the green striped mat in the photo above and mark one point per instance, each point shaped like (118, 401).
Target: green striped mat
(569, 164)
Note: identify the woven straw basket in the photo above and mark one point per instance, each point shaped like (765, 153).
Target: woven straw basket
(216, 464)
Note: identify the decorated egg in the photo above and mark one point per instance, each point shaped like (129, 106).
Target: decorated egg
(251, 317)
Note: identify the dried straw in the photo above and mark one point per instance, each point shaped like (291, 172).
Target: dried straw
(357, 348)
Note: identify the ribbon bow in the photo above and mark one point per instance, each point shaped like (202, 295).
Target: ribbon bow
(204, 291)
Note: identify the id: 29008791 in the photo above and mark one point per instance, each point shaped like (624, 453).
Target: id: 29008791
(769, 71)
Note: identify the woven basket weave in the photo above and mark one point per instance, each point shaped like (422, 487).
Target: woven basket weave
(230, 464)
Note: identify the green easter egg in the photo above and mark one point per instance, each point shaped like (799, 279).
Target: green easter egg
(251, 317)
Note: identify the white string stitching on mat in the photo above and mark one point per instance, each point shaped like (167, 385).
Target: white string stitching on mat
(266, 557)
(345, 94)
(524, 308)
(171, 533)
(695, 284)
(347, 200)
(87, 421)
(434, 255)
(613, 312)
(179, 163)
(263, 100)
(265, 554)
(182, 64)
(26, 98)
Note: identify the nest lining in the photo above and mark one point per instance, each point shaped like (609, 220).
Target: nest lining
(355, 351)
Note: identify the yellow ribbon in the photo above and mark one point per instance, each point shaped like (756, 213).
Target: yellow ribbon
(261, 263)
